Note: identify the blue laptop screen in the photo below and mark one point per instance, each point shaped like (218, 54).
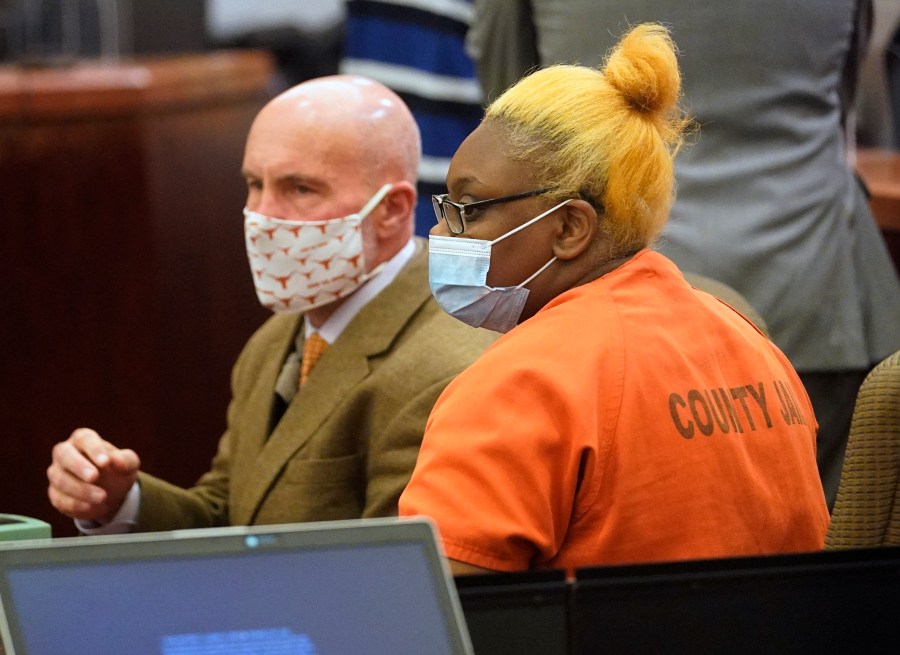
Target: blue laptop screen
(368, 599)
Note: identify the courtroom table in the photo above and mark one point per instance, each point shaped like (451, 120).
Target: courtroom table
(127, 292)
(880, 171)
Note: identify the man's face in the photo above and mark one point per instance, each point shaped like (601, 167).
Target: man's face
(299, 168)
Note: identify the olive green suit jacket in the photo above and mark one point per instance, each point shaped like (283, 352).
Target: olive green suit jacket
(346, 445)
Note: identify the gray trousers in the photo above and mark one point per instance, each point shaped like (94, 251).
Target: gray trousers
(833, 396)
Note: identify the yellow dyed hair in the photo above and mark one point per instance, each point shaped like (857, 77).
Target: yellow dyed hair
(609, 134)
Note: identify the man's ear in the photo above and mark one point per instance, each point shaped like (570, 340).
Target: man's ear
(396, 208)
(576, 229)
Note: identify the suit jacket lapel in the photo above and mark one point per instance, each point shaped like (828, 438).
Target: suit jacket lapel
(253, 425)
(340, 370)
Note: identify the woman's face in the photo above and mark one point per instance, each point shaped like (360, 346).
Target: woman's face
(480, 171)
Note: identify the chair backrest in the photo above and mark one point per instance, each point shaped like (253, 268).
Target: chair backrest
(729, 295)
(867, 509)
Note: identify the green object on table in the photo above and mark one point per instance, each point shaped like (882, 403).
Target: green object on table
(14, 528)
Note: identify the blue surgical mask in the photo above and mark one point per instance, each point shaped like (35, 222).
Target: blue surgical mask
(457, 272)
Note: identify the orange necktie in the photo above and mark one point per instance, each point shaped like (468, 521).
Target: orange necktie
(313, 348)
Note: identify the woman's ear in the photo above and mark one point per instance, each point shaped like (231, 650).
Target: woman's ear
(576, 230)
(397, 207)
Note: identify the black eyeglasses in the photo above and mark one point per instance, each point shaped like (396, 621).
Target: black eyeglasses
(456, 213)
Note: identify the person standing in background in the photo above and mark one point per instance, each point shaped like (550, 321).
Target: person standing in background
(766, 201)
(875, 107)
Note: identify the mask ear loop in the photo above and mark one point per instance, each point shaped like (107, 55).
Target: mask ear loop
(533, 220)
(374, 200)
(538, 272)
(367, 208)
(522, 227)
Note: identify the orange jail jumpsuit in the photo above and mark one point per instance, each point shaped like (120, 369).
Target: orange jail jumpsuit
(632, 419)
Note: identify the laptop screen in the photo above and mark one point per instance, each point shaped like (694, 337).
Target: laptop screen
(301, 590)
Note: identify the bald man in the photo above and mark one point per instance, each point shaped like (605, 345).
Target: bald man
(331, 395)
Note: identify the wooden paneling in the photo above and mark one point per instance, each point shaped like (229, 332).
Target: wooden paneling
(880, 170)
(127, 293)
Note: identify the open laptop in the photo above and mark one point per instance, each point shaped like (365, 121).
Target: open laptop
(374, 586)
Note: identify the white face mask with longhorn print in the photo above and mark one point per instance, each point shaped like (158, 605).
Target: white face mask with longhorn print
(301, 265)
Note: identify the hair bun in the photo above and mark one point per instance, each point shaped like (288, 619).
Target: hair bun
(644, 69)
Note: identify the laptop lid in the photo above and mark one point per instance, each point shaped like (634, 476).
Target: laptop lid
(376, 586)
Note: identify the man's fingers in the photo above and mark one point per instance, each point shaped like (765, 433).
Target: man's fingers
(124, 460)
(73, 487)
(89, 476)
(73, 507)
(69, 458)
(74, 497)
(92, 445)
